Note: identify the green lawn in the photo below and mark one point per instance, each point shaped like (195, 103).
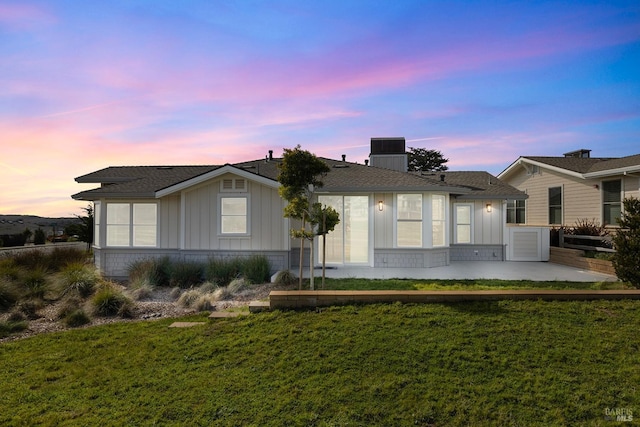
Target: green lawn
(490, 363)
(455, 285)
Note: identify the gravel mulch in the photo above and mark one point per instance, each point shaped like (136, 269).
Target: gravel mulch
(159, 305)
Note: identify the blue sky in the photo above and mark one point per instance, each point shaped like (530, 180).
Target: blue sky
(85, 85)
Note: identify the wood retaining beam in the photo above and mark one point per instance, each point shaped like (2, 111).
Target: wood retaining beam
(307, 299)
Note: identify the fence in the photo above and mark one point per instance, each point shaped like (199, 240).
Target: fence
(602, 239)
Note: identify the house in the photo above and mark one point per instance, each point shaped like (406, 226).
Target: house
(388, 217)
(575, 186)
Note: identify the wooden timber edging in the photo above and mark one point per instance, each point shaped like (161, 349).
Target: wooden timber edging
(575, 258)
(310, 299)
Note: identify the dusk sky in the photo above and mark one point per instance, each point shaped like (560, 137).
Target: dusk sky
(87, 84)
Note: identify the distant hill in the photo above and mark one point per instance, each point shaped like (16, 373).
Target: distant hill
(14, 224)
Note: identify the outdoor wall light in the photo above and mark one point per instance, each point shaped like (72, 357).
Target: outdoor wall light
(489, 207)
(380, 205)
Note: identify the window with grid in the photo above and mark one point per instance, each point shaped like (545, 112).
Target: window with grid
(555, 205)
(409, 221)
(516, 212)
(611, 201)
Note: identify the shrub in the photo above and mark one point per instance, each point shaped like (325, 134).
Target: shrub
(109, 301)
(9, 269)
(30, 308)
(223, 271)
(35, 283)
(627, 243)
(9, 240)
(156, 271)
(39, 238)
(175, 293)
(31, 259)
(58, 258)
(141, 289)
(204, 303)
(8, 294)
(77, 318)
(285, 278)
(9, 327)
(68, 306)
(79, 279)
(185, 274)
(208, 287)
(188, 298)
(256, 269)
(237, 285)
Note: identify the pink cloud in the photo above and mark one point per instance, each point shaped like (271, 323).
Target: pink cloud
(20, 16)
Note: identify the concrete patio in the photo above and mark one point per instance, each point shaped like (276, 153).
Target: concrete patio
(506, 270)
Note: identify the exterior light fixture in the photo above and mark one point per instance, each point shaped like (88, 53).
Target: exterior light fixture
(489, 208)
(380, 205)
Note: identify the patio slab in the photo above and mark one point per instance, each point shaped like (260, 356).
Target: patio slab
(462, 270)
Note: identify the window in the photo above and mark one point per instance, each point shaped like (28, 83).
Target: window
(132, 224)
(409, 225)
(516, 212)
(463, 231)
(611, 201)
(438, 223)
(233, 215)
(555, 205)
(96, 223)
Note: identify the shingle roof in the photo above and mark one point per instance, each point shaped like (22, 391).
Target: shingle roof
(575, 164)
(145, 181)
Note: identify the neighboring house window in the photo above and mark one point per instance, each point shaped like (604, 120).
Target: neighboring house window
(132, 224)
(233, 215)
(96, 223)
(611, 201)
(555, 205)
(438, 223)
(409, 224)
(516, 212)
(463, 221)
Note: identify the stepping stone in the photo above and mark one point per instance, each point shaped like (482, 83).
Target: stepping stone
(185, 324)
(259, 306)
(225, 314)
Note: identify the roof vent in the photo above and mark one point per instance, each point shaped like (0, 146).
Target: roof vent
(270, 154)
(344, 157)
(442, 178)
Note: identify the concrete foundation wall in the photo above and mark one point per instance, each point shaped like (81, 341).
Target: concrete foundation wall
(113, 263)
(477, 253)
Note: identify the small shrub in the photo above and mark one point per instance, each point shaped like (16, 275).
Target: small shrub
(17, 316)
(30, 308)
(31, 259)
(8, 328)
(77, 318)
(35, 283)
(223, 271)
(285, 278)
(189, 298)
(222, 294)
(8, 269)
(8, 294)
(237, 285)
(79, 279)
(175, 293)
(186, 274)
(68, 306)
(155, 271)
(141, 289)
(109, 301)
(58, 258)
(208, 287)
(256, 269)
(204, 303)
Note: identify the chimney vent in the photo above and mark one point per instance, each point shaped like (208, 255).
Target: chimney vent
(344, 157)
(270, 154)
(366, 162)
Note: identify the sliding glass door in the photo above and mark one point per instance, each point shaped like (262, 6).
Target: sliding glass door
(348, 243)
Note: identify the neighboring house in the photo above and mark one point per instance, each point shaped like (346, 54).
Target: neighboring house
(576, 186)
(388, 218)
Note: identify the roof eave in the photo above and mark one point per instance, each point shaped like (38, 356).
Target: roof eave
(613, 172)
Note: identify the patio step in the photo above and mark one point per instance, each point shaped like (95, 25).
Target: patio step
(259, 306)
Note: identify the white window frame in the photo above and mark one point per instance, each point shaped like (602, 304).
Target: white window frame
(606, 203)
(441, 222)
(456, 223)
(399, 221)
(244, 196)
(130, 225)
(561, 187)
(512, 206)
(96, 223)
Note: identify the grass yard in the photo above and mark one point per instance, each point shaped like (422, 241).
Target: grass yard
(489, 363)
(460, 285)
